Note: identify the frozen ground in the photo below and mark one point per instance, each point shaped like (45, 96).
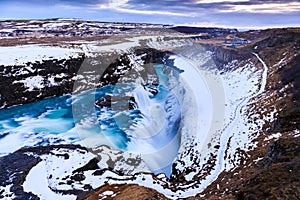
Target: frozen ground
(20, 55)
(200, 113)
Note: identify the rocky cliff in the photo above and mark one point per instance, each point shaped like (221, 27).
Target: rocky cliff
(268, 169)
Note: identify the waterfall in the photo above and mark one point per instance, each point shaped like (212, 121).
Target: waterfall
(152, 114)
(142, 100)
(155, 135)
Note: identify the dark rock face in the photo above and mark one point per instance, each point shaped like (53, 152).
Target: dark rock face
(223, 56)
(15, 167)
(283, 150)
(289, 118)
(129, 68)
(213, 32)
(91, 165)
(14, 92)
(13, 170)
(123, 69)
(120, 103)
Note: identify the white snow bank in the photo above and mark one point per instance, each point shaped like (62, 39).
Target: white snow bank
(37, 183)
(18, 55)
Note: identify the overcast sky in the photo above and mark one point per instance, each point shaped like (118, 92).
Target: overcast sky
(229, 13)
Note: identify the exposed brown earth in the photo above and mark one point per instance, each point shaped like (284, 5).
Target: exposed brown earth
(272, 169)
(276, 176)
(125, 192)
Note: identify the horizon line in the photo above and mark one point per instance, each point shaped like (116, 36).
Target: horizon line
(196, 25)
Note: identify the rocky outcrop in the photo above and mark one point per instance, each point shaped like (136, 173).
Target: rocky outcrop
(278, 177)
(129, 67)
(223, 55)
(269, 171)
(121, 103)
(15, 167)
(211, 32)
(36, 81)
(124, 192)
(13, 170)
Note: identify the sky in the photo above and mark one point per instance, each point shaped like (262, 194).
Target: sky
(206, 13)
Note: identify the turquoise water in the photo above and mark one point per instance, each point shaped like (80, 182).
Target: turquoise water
(55, 116)
(75, 118)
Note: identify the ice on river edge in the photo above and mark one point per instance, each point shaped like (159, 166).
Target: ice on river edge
(237, 86)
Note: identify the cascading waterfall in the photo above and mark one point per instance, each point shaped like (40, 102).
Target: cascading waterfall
(156, 135)
(143, 103)
(153, 133)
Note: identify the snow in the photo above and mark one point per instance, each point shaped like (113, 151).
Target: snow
(238, 92)
(20, 55)
(282, 61)
(77, 158)
(273, 136)
(52, 81)
(5, 191)
(10, 143)
(7, 30)
(56, 25)
(108, 193)
(115, 45)
(34, 82)
(195, 82)
(202, 118)
(136, 62)
(258, 159)
(264, 75)
(123, 44)
(37, 183)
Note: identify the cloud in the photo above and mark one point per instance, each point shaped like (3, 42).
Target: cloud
(126, 7)
(194, 8)
(220, 1)
(263, 8)
(206, 12)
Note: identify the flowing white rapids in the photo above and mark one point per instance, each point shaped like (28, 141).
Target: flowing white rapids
(150, 123)
(155, 137)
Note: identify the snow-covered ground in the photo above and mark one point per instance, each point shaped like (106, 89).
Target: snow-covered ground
(20, 55)
(240, 85)
(213, 107)
(37, 182)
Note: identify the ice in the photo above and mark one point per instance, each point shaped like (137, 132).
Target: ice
(10, 143)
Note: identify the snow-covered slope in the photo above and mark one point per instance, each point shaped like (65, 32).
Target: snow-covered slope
(216, 130)
(20, 55)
